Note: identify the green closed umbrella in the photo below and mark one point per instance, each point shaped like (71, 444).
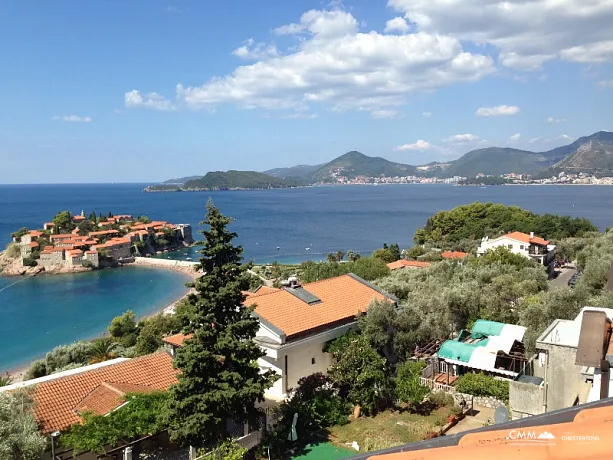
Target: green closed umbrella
(293, 436)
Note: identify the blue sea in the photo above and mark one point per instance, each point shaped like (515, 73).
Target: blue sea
(42, 312)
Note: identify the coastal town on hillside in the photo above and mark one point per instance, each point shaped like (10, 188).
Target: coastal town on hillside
(480, 179)
(76, 242)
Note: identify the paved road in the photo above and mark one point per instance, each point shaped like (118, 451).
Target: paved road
(563, 277)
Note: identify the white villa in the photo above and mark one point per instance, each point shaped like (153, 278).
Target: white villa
(297, 321)
(529, 246)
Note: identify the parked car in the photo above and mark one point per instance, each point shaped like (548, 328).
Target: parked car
(573, 280)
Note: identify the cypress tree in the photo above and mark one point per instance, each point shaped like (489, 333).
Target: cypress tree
(220, 379)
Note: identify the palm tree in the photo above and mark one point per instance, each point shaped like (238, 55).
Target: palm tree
(6, 380)
(102, 350)
(340, 255)
(331, 257)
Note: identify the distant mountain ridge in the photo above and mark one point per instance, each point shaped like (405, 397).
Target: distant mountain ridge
(591, 154)
(353, 164)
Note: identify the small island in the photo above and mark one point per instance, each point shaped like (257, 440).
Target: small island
(73, 243)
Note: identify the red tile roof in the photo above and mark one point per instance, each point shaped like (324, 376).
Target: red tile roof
(407, 263)
(33, 244)
(525, 238)
(104, 232)
(108, 397)
(177, 339)
(78, 218)
(35, 233)
(58, 401)
(61, 236)
(341, 299)
(454, 254)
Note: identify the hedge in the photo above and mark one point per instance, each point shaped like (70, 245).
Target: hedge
(483, 385)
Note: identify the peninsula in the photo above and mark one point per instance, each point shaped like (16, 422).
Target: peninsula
(227, 180)
(74, 243)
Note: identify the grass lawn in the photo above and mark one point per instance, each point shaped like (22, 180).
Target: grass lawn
(388, 429)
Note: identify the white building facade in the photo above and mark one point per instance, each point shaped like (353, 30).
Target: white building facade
(528, 245)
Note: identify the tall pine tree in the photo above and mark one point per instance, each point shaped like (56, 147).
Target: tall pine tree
(220, 379)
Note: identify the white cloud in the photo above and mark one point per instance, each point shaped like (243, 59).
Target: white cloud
(321, 23)
(134, 99)
(398, 24)
(554, 120)
(605, 83)
(426, 114)
(565, 137)
(419, 145)
(514, 138)
(73, 118)
(334, 66)
(498, 111)
(526, 33)
(251, 50)
(384, 113)
(457, 138)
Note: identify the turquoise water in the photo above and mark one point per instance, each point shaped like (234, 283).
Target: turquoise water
(42, 312)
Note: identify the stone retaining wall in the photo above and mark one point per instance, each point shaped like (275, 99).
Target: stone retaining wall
(483, 401)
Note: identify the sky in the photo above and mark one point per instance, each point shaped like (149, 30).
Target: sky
(146, 90)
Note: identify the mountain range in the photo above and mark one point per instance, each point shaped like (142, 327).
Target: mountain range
(590, 154)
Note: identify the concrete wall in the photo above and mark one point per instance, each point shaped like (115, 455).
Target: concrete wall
(300, 361)
(563, 378)
(277, 391)
(525, 399)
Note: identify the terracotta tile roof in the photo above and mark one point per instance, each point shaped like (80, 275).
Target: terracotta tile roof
(78, 218)
(49, 224)
(177, 339)
(265, 290)
(74, 253)
(408, 263)
(57, 401)
(108, 396)
(341, 299)
(61, 236)
(594, 423)
(525, 238)
(454, 254)
(33, 244)
(35, 233)
(91, 252)
(104, 232)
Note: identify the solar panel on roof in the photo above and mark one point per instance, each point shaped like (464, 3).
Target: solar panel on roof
(303, 295)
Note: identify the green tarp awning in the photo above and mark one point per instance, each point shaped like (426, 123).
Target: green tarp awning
(459, 351)
(484, 328)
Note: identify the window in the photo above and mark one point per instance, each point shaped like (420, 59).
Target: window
(510, 246)
(521, 246)
(312, 361)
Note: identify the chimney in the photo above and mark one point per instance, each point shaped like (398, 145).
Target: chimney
(531, 235)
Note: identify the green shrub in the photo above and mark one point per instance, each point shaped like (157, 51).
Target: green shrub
(441, 399)
(483, 385)
(317, 404)
(29, 262)
(361, 374)
(408, 387)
